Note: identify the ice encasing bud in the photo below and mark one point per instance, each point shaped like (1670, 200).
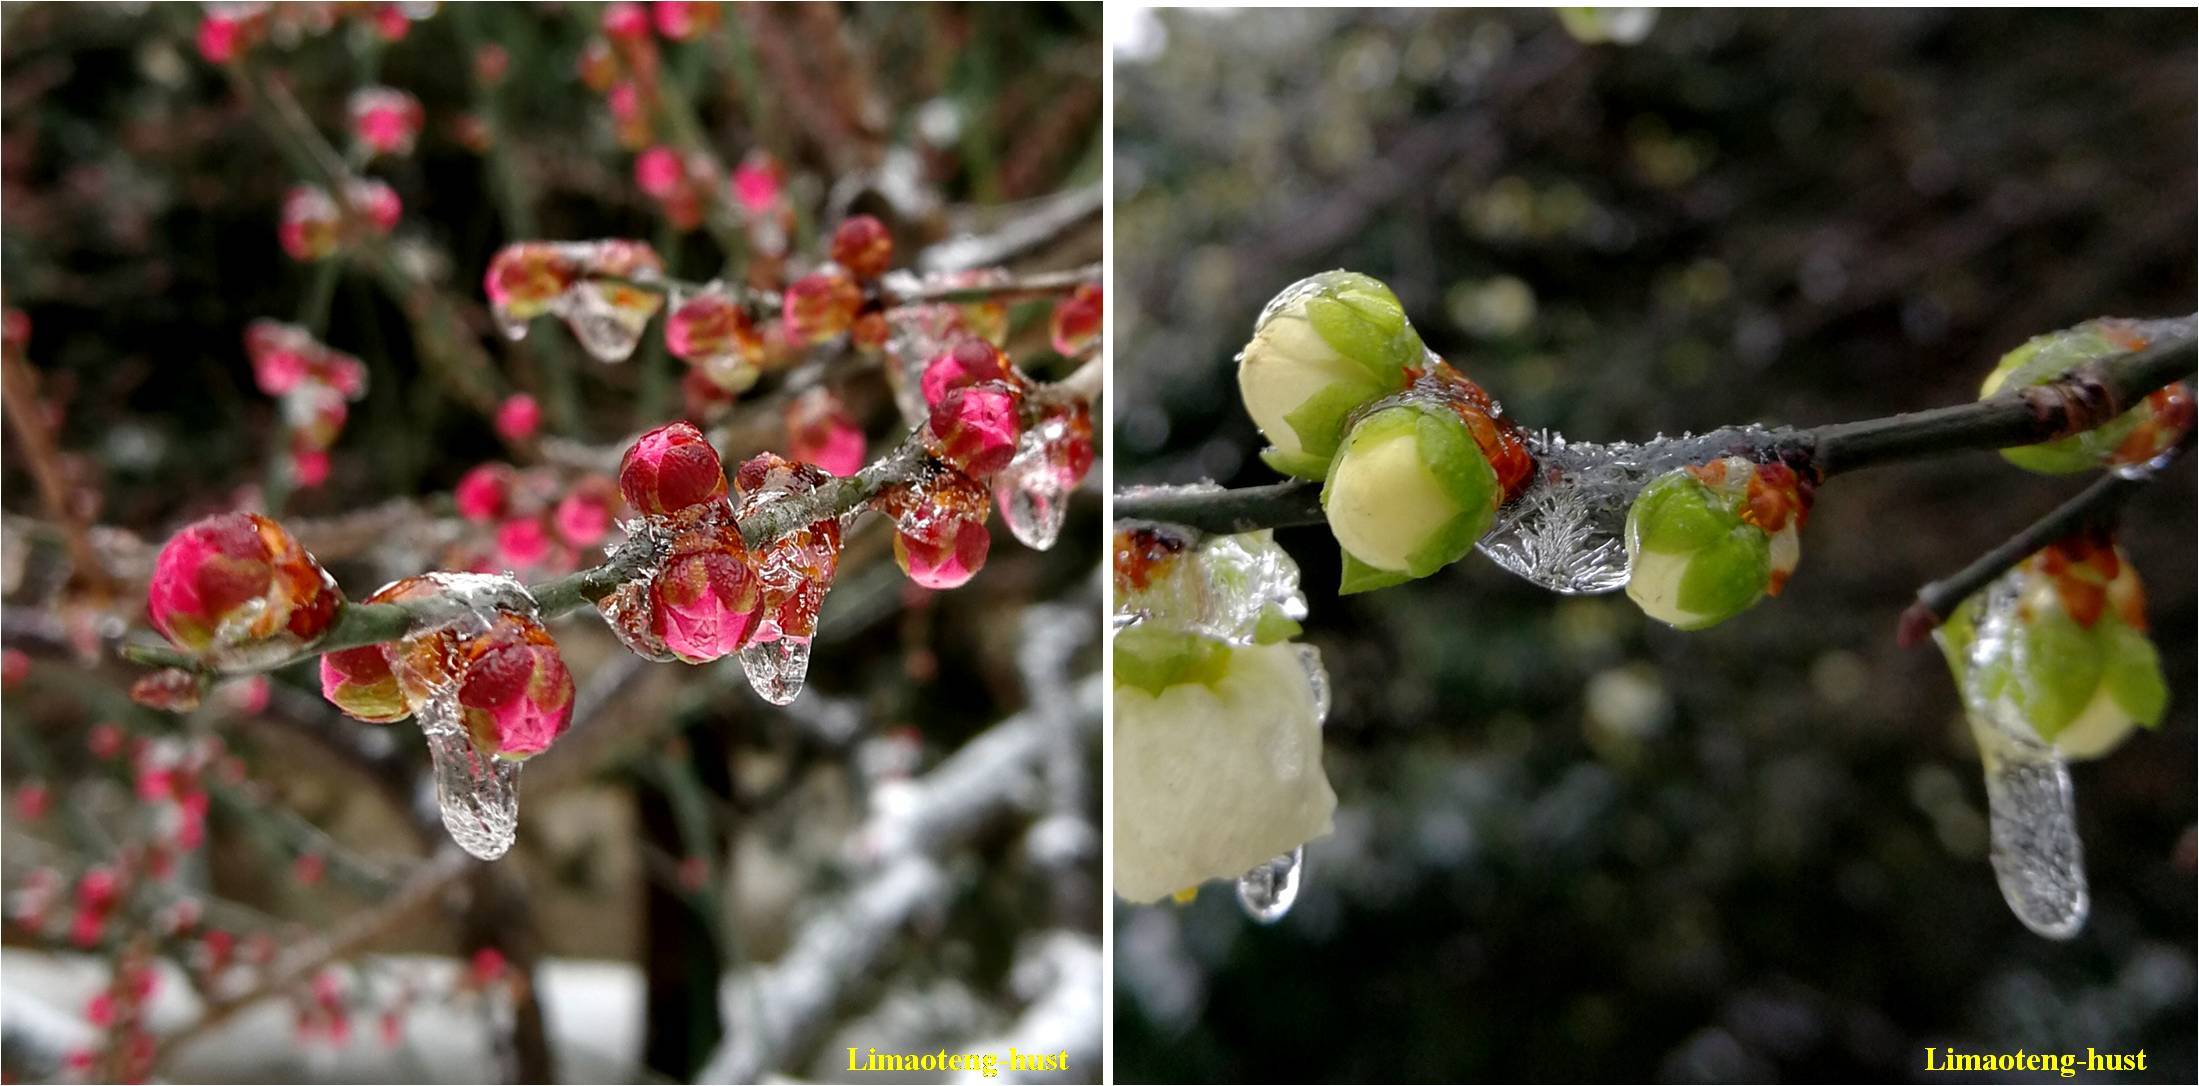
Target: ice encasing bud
(1706, 542)
(1322, 348)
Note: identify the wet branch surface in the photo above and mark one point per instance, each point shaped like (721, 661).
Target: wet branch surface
(2088, 397)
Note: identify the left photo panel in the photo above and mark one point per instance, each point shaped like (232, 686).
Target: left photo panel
(552, 543)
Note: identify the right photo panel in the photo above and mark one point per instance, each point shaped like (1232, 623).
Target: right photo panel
(1652, 545)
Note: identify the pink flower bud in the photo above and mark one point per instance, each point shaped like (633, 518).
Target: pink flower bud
(945, 557)
(712, 325)
(490, 64)
(310, 222)
(976, 428)
(15, 666)
(225, 37)
(704, 602)
(757, 182)
(99, 889)
(386, 120)
(309, 467)
(515, 696)
(522, 542)
(309, 868)
(583, 517)
(359, 682)
(32, 801)
(105, 741)
(518, 417)
(625, 20)
(237, 579)
(524, 279)
(484, 493)
(1077, 320)
(659, 172)
(681, 20)
(486, 967)
(966, 363)
(378, 203)
(669, 469)
(821, 305)
(820, 431)
(863, 247)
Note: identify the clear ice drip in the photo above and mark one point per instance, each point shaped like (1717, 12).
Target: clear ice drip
(1033, 490)
(2037, 856)
(477, 794)
(1267, 892)
(777, 668)
(1567, 530)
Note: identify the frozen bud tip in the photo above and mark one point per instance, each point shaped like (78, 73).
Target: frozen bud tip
(1322, 348)
(705, 601)
(862, 246)
(2137, 436)
(671, 468)
(1705, 543)
(515, 696)
(976, 428)
(235, 580)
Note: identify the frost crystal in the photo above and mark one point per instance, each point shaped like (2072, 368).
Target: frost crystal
(1267, 892)
(1567, 530)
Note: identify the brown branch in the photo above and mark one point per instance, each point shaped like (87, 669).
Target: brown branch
(19, 395)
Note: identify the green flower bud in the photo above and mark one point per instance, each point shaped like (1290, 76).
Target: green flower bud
(2134, 436)
(1322, 348)
(1705, 543)
(1408, 494)
(2029, 666)
(1214, 778)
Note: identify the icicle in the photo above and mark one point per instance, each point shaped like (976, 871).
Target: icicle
(2037, 856)
(1267, 892)
(1051, 458)
(478, 795)
(777, 668)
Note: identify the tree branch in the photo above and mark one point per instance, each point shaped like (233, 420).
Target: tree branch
(2096, 506)
(2088, 397)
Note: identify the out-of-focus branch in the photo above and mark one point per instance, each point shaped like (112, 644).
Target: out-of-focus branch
(19, 394)
(2090, 396)
(1061, 973)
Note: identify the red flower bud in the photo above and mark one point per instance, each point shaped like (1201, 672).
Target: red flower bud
(670, 468)
(757, 182)
(863, 247)
(518, 417)
(515, 696)
(976, 428)
(1077, 320)
(966, 363)
(386, 120)
(821, 305)
(712, 325)
(524, 279)
(705, 601)
(484, 493)
(820, 431)
(237, 580)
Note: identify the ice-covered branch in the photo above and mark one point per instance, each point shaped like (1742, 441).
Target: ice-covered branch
(2089, 397)
(891, 293)
(2096, 506)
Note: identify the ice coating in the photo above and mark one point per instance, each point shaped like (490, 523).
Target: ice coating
(1566, 531)
(777, 668)
(1267, 892)
(922, 332)
(477, 794)
(1219, 586)
(626, 609)
(2036, 854)
(793, 573)
(585, 284)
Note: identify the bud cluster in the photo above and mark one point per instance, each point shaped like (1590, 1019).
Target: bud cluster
(314, 383)
(543, 520)
(604, 291)
(315, 227)
(236, 590)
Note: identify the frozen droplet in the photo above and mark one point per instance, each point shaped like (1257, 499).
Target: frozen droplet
(777, 668)
(514, 327)
(1267, 892)
(1566, 530)
(477, 794)
(1051, 458)
(608, 319)
(2037, 856)
(1219, 586)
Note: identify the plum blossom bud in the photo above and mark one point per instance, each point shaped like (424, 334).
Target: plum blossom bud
(237, 582)
(705, 602)
(625, 20)
(669, 469)
(976, 428)
(820, 431)
(522, 543)
(491, 63)
(310, 223)
(386, 120)
(940, 539)
(711, 325)
(681, 20)
(795, 570)
(1322, 348)
(228, 30)
(583, 517)
(515, 696)
(359, 682)
(170, 690)
(862, 245)
(1077, 320)
(518, 417)
(966, 363)
(2137, 436)
(659, 173)
(484, 493)
(526, 278)
(821, 305)
(2055, 652)
(758, 182)
(1706, 542)
(1407, 494)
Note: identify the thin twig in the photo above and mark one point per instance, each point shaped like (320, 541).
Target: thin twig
(19, 394)
(2094, 507)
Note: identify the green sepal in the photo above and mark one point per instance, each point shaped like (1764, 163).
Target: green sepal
(1676, 513)
(1275, 626)
(1363, 320)
(2047, 358)
(1726, 577)
(1360, 577)
(1319, 421)
(1448, 544)
(1449, 451)
(1300, 465)
(2133, 674)
(1153, 658)
(2060, 674)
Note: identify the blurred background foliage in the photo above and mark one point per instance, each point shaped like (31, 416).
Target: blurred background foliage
(706, 828)
(1572, 843)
